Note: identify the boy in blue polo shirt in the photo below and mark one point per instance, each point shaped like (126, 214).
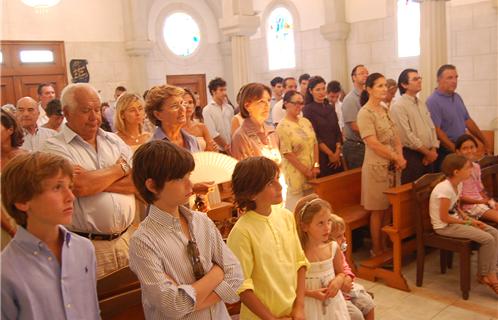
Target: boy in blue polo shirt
(47, 271)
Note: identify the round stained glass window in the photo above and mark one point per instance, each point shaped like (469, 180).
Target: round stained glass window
(181, 34)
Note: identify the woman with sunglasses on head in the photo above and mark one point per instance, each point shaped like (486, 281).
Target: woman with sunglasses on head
(299, 149)
(324, 119)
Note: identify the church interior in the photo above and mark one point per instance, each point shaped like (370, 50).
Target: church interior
(381, 113)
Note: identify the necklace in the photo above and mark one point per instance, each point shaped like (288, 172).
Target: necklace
(135, 138)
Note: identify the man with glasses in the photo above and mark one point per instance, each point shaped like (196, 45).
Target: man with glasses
(354, 148)
(415, 126)
(185, 269)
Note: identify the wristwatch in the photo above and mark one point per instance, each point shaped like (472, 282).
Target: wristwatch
(316, 165)
(124, 166)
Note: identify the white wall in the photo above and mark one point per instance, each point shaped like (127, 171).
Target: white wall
(90, 29)
(474, 51)
(207, 58)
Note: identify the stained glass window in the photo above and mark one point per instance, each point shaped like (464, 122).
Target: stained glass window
(408, 28)
(181, 34)
(280, 39)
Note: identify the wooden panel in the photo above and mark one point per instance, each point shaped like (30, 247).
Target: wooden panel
(341, 190)
(14, 66)
(194, 82)
(7, 92)
(28, 85)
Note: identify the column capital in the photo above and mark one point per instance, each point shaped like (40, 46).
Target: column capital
(239, 25)
(138, 48)
(335, 31)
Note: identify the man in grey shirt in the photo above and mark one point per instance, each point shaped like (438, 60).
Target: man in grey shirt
(354, 148)
(415, 126)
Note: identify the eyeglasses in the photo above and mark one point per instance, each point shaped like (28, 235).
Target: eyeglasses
(416, 79)
(297, 103)
(193, 253)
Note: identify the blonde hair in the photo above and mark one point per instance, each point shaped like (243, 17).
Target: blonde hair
(305, 210)
(124, 101)
(156, 97)
(338, 225)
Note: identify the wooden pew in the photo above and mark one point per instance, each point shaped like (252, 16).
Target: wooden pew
(120, 296)
(343, 192)
(399, 232)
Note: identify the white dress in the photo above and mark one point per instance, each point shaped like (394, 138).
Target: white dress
(318, 276)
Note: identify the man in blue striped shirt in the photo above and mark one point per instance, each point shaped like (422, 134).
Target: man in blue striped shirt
(185, 269)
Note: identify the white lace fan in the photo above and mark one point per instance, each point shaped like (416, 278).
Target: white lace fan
(212, 166)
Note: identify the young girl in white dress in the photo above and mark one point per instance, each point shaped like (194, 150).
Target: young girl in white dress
(324, 279)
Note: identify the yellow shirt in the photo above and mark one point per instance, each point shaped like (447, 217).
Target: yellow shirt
(270, 254)
(300, 139)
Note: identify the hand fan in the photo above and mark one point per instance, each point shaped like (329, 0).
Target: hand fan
(212, 166)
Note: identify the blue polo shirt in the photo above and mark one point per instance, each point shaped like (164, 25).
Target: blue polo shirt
(36, 286)
(448, 112)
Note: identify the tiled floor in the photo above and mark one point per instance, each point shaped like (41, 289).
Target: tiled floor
(439, 298)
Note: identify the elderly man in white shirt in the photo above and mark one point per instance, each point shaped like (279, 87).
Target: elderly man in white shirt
(27, 114)
(105, 205)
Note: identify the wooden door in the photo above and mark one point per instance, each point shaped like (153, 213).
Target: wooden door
(194, 82)
(21, 78)
(28, 85)
(7, 92)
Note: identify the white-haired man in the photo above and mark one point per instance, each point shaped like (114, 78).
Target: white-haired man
(105, 205)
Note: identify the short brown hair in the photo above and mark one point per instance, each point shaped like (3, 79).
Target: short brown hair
(160, 161)
(451, 163)
(10, 122)
(156, 97)
(249, 93)
(250, 177)
(23, 176)
(305, 210)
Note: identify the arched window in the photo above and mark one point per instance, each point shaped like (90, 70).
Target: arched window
(181, 34)
(408, 28)
(280, 39)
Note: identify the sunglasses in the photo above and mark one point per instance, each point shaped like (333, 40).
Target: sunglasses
(193, 253)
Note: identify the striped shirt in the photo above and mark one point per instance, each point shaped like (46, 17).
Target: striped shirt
(159, 248)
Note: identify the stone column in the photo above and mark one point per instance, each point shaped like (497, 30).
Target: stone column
(433, 42)
(239, 22)
(226, 53)
(336, 30)
(137, 44)
(138, 52)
